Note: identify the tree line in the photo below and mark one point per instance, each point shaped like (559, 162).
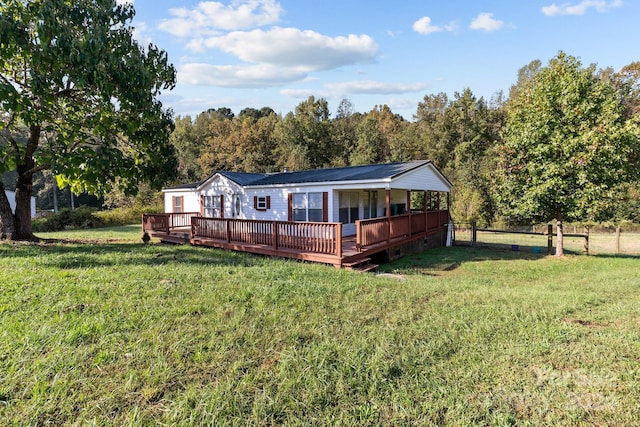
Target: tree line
(464, 135)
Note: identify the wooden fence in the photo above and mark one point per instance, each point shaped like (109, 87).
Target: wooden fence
(470, 231)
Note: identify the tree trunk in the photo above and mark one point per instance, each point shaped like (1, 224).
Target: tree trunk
(24, 188)
(560, 237)
(6, 216)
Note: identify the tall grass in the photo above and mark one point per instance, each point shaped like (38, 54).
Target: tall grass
(123, 333)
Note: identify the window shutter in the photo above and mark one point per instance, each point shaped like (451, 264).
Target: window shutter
(221, 206)
(268, 202)
(255, 202)
(201, 205)
(290, 210)
(325, 206)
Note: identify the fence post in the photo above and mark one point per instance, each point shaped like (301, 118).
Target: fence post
(586, 240)
(618, 239)
(549, 238)
(474, 235)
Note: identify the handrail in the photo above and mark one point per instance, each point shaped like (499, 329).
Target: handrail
(165, 222)
(384, 229)
(317, 237)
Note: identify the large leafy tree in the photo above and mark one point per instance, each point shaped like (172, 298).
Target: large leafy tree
(74, 77)
(567, 146)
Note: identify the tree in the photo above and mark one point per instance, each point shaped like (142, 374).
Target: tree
(566, 146)
(72, 74)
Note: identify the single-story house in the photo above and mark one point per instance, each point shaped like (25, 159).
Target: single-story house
(11, 195)
(337, 216)
(342, 195)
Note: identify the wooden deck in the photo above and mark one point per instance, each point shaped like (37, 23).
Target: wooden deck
(308, 241)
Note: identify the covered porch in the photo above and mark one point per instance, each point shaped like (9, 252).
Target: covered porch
(310, 241)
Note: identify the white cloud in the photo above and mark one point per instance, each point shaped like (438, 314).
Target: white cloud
(486, 22)
(121, 2)
(209, 17)
(305, 93)
(581, 8)
(423, 26)
(373, 87)
(238, 76)
(292, 47)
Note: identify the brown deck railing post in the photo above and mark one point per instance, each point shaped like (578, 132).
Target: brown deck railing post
(339, 240)
(274, 233)
(228, 224)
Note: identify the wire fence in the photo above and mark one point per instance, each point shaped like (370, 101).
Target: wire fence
(542, 239)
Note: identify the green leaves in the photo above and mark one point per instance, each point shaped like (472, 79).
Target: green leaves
(566, 145)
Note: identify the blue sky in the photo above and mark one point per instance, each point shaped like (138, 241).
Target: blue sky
(257, 53)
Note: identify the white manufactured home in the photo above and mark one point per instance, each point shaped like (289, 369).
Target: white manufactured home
(11, 195)
(296, 211)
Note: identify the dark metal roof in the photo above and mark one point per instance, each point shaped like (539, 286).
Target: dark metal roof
(351, 173)
(243, 178)
(240, 178)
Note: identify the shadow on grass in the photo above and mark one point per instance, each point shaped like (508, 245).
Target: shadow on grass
(436, 260)
(70, 254)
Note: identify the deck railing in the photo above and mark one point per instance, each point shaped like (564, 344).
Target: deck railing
(380, 230)
(317, 237)
(165, 222)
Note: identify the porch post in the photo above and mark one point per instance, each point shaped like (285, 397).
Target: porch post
(424, 211)
(409, 210)
(388, 202)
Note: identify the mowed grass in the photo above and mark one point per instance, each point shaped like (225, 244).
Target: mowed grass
(121, 333)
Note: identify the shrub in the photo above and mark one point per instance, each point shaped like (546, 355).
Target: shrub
(82, 217)
(126, 215)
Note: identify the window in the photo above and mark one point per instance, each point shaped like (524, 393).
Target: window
(307, 207)
(300, 207)
(212, 206)
(236, 206)
(315, 207)
(348, 211)
(262, 203)
(177, 204)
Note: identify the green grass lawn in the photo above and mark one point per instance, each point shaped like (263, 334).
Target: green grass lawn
(114, 332)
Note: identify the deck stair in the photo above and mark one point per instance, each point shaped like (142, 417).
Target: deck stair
(361, 265)
(175, 238)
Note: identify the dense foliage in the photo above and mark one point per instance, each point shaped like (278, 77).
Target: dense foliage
(567, 147)
(78, 96)
(462, 135)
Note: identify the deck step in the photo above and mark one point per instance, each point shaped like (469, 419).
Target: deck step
(174, 240)
(367, 268)
(354, 264)
(362, 265)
